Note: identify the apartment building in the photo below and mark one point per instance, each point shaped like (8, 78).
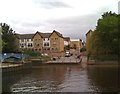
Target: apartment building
(76, 44)
(48, 42)
(88, 35)
(38, 42)
(56, 42)
(26, 41)
(66, 41)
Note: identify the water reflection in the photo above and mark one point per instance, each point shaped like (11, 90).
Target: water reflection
(105, 77)
(62, 78)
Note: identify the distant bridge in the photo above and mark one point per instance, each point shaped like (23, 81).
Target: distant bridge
(11, 55)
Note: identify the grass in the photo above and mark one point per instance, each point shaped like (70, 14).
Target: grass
(11, 60)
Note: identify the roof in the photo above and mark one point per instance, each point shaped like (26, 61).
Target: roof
(45, 35)
(66, 38)
(26, 36)
(60, 35)
(17, 35)
(89, 31)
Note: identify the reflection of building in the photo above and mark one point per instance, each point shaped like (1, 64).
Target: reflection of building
(25, 41)
(88, 35)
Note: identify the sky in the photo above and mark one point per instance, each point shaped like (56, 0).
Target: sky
(72, 18)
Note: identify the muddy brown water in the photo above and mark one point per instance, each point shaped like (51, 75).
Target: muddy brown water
(63, 78)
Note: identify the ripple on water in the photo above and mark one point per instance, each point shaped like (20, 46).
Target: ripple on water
(64, 79)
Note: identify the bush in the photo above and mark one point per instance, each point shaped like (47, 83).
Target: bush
(82, 49)
(32, 53)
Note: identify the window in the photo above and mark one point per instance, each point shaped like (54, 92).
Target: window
(48, 49)
(56, 38)
(22, 40)
(22, 45)
(44, 44)
(48, 38)
(56, 48)
(47, 44)
(28, 44)
(52, 48)
(27, 39)
(54, 43)
(37, 44)
(31, 45)
(44, 39)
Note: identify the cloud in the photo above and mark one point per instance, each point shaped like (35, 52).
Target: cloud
(50, 4)
(75, 27)
(71, 17)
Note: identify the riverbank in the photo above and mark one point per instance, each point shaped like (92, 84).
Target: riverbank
(6, 67)
(93, 62)
(10, 67)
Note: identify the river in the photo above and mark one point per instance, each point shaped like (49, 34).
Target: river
(63, 78)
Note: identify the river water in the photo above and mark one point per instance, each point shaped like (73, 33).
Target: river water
(63, 78)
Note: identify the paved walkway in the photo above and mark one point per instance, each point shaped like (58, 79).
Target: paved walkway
(6, 65)
(71, 59)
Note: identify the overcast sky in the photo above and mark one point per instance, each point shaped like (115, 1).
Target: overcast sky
(72, 18)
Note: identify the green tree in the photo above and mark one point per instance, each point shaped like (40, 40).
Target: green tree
(104, 40)
(8, 39)
(83, 49)
(108, 32)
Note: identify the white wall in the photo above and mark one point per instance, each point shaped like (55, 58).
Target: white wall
(46, 40)
(25, 43)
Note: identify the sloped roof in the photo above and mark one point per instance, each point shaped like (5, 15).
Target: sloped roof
(17, 35)
(60, 35)
(45, 35)
(89, 31)
(26, 36)
(66, 38)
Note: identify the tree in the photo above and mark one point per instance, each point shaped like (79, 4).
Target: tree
(108, 32)
(8, 39)
(104, 40)
(83, 49)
